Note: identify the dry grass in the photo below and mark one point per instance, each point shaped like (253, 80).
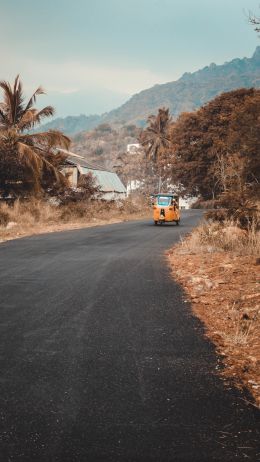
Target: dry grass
(218, 266)
(38, 216)
(216, 237)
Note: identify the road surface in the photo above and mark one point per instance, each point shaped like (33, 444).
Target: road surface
(101, 358)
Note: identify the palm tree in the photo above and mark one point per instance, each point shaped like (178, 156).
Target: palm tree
(156, 140)
(155, 137)
(26, 157)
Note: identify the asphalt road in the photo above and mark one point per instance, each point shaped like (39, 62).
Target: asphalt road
(102, 360)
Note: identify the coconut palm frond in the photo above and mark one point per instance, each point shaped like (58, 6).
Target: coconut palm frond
(59, 177)
(32, 117)
(47, 111)
(3, 120)
(27, 120)
(13, 100)
(51, 138)
(33, 153)
(7, 92)
(8, 99)
(30, 158)
(32, 100)
(18, 99)
(155, 138)
(37, 163)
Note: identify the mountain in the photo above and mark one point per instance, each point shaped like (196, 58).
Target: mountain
(191, 91)
(188, 93)
(73, 124)
(105, 143)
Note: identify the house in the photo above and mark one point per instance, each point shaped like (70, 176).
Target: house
(133, 148)
(186, 202)
(111, 187)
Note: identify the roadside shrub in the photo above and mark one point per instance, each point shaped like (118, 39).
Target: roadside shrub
(34, 216)
(73, 211)
(4, 218)
(87, 189)
(202, 204)
(226, 236)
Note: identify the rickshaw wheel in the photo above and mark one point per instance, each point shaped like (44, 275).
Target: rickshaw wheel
(177, 222)
(155, 222)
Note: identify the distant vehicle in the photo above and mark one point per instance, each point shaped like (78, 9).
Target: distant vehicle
(166, 209)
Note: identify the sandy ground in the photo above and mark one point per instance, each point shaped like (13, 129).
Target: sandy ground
(224, 290)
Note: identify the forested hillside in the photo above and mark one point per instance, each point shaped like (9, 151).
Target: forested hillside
(105, 143)
(190, 92)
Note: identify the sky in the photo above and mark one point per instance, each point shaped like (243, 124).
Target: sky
(92, 55)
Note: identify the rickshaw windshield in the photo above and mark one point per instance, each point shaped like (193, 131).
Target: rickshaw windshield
(164, 200)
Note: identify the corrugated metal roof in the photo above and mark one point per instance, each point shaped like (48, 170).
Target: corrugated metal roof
(76, 159)
(85, 163)
(108, 181)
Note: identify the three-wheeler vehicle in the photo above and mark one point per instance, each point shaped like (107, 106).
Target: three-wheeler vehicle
(166, 208)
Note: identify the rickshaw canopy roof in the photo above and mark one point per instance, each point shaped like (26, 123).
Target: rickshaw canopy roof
(165, 195)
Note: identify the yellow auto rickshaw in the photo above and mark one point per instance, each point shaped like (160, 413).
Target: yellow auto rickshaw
(166, 209)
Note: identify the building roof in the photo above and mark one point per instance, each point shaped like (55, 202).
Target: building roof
(107, 180)
(76, 159)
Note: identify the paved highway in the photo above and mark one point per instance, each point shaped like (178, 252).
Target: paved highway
(101, 358)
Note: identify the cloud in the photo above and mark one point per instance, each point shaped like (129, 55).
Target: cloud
(72, 76)
(68, 91)
(77, 86)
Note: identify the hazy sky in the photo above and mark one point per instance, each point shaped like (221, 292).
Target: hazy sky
(91, 55)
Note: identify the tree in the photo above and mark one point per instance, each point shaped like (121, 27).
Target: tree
(28, 163)
(155, 137)
(215, 153)
(226, 126)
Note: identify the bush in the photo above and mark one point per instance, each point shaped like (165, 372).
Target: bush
(228, 236)
(86, 190)
(73, 211)
(4, 218)
(236, 207)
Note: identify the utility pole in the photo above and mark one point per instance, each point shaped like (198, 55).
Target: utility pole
(160, 184)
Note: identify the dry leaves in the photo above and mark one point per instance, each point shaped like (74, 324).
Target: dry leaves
(224, 290)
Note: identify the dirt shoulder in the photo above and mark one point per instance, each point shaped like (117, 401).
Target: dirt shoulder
(16, 231)
(224, 292)
(36, 216)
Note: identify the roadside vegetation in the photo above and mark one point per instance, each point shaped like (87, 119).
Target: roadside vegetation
(35, 195)
(24, 218)
(214, 154)
(28, 161)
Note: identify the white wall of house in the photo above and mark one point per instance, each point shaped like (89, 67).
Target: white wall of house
(133, 147)
(71, 172)
(186, 202)
(133, 185)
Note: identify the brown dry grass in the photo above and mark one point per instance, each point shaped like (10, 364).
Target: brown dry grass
(212, 237)
(38, 216)
(219, 268)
